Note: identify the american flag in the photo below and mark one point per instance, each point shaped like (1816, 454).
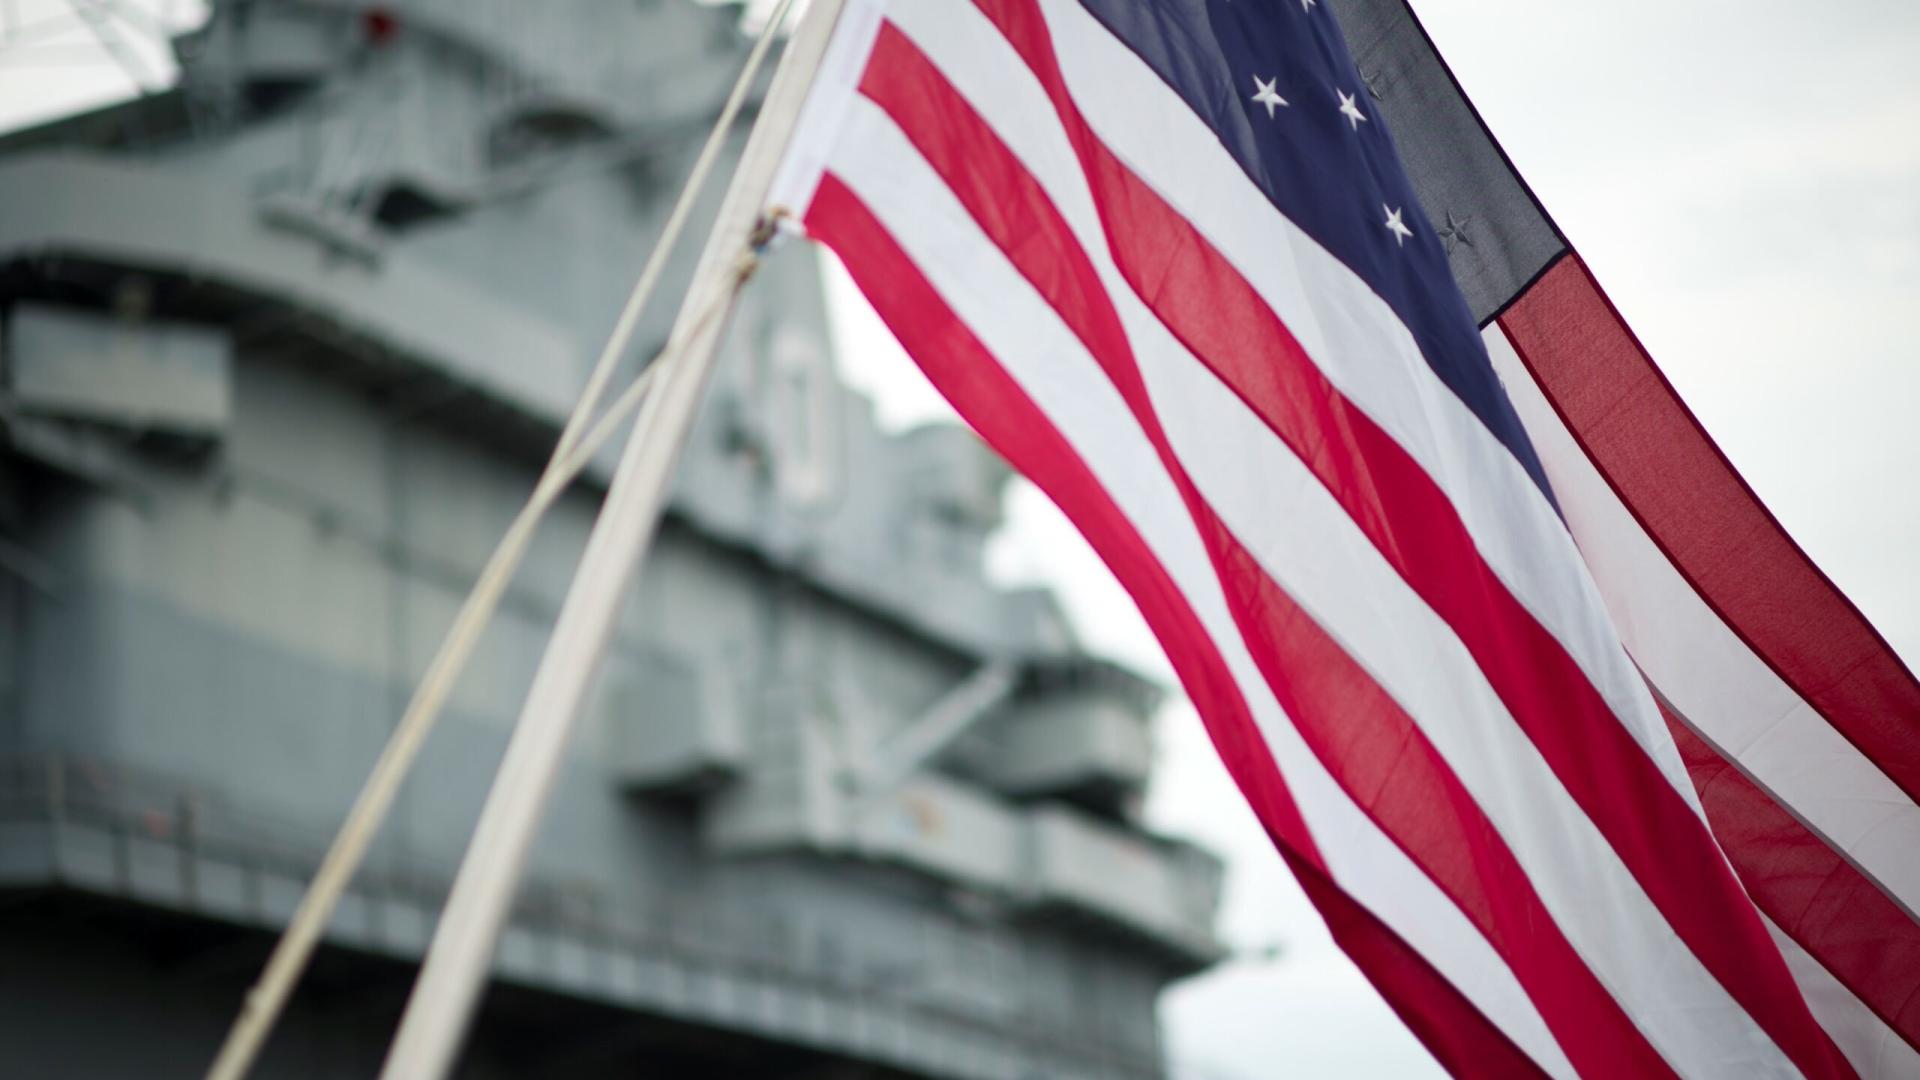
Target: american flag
(1582, 760)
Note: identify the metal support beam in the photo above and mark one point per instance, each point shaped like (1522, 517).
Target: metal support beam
(936, 729)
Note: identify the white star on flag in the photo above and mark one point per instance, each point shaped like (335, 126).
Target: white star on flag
(1396, 226)
(1267, 95)
(1350, 109)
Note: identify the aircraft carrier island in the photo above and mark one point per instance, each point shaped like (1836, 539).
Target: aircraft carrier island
(284, 347)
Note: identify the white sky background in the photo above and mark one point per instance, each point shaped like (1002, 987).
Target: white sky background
(1744, 179)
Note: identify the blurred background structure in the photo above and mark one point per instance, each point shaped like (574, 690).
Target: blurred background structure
(285, 344)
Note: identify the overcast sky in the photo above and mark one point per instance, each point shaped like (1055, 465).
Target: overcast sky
(1745, 180)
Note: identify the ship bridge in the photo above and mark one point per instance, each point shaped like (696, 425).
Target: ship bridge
(285, 345)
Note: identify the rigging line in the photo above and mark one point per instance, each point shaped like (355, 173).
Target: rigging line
(629, 319)
(608, 424)
(99, 21)
(138, 18)
(460, 956)
(268, 997)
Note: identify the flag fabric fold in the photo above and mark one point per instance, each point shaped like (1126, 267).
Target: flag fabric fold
(1560, 732)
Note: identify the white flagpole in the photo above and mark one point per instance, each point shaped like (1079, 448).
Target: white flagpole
(461, 954)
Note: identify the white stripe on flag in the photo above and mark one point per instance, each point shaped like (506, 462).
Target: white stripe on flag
(834, 84)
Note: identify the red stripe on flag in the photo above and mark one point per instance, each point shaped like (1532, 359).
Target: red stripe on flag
(1224, 322)
(1815, 896)
(1353, 726)
(1453, 1031)
(1450, 1026)
(1709, 524)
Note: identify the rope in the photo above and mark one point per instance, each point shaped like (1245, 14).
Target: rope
(579, 440)
(268, 996)
(676, 221)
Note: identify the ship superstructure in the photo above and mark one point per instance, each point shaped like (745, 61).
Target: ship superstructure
(284, 347)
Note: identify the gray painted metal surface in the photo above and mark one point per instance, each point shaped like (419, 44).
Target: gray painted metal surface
(387, 252)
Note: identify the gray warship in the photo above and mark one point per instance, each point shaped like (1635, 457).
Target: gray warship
(285, 344)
